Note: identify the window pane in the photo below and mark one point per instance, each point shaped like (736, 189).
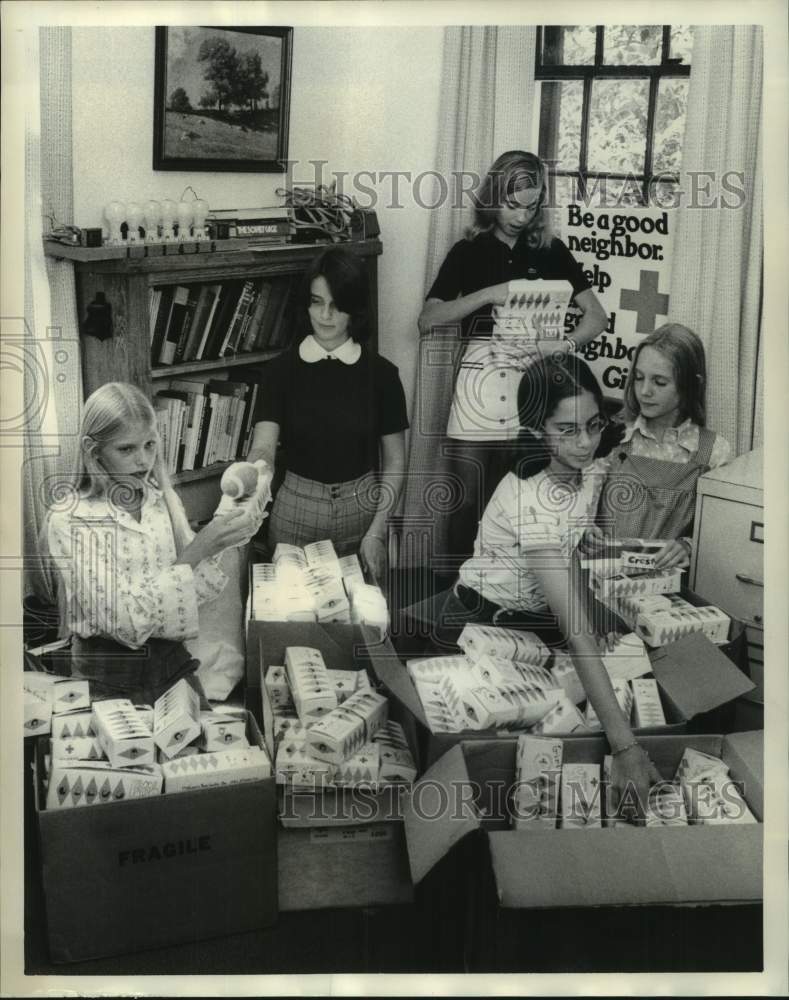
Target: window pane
(564, 191)
(572, 45)
(632, 45)
(664, 194)
(613, 192)
(682, 43)
(560, 123)
(672, 102)
(617, 126)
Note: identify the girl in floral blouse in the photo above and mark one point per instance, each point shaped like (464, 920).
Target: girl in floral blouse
(132, 571)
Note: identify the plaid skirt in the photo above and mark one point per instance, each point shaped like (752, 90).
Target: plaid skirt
(306, 511)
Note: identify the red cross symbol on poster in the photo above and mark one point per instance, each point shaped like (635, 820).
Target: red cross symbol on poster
(626, 256)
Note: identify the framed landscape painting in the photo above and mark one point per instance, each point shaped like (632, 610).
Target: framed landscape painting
(221, 98)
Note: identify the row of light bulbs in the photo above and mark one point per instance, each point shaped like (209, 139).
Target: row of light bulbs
(159, 219)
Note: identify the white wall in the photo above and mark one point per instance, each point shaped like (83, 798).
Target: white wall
(362, 99)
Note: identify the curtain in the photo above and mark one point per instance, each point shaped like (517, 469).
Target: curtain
(52, 374)
(716, 276)
(487, 95)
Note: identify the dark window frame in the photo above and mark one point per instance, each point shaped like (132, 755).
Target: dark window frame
(667, 68)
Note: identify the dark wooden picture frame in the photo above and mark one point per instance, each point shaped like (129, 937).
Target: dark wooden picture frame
(222, 98)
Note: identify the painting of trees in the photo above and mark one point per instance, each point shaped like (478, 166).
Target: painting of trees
(235, 79)
(221, 97)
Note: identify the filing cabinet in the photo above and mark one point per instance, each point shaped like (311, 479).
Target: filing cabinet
(728, 550)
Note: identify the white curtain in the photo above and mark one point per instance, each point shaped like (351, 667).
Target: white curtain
(487, 96)
(53, 382)
(716, 276)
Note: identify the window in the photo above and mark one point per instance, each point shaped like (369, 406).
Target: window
(612, 110)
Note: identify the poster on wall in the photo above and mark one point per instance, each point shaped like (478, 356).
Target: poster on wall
(626, 255)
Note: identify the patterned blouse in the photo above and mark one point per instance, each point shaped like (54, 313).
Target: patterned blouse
(526, 517)
(118, 573)
(678, 444)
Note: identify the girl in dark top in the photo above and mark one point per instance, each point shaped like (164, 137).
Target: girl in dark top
(509, 240)
(339, 411)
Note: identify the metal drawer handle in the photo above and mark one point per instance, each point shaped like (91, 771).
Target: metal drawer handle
(749, 579)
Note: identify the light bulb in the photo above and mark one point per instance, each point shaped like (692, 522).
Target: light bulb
(133, 216)
(184, 220)
(200, 209)
(153, 215)
(115, 213)
(168, 219)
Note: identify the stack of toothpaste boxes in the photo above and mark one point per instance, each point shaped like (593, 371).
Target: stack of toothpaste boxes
(314, 584)
(668, 668)
(344, 757)
(150, 819)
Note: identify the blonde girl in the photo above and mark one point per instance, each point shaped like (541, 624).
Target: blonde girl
(509, 239)
(665, 447)
(132, 571)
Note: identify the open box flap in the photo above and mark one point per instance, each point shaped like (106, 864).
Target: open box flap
(394, 676)
(696, 675)
(556, 868)
(744, 755)
(438, 813)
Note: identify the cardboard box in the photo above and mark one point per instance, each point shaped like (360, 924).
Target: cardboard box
(693, 676)
(127, 876)
(337, 846)
(462, 798)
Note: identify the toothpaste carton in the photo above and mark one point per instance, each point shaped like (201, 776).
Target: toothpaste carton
(344, 683)
(666, 581)
(79, 748)
(223, 767)
(123, 736)
(323, 556)
(538, 772)
(74, 783)
(310, 686)
(73, 724)
(222, 732)
(624, 697)
(176, 718)
(433, 668)
(657, 628)
(510, 644)
(566, 677)
(440, 717)
(647, 708)
(363, 768)
(37, 704)
(666, 806)
(296, 767)
(628, 659)
(562, 719)
(277, 687)
(396, 761)
(580, 796)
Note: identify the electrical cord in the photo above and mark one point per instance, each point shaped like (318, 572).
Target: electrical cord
(320, 208)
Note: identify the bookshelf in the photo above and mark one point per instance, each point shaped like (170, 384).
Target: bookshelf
(123, 284)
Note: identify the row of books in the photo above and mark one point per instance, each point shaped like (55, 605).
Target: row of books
(210, 321)
(206, 420)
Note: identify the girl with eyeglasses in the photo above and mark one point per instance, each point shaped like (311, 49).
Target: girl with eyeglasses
(525, 572)
(510, 238)
(665, 446)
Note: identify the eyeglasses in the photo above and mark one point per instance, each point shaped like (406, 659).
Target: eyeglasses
(595, 426)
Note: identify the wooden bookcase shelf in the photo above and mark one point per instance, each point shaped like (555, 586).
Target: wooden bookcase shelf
(122, 281)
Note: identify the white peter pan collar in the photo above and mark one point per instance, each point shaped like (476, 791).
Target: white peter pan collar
(348, 352)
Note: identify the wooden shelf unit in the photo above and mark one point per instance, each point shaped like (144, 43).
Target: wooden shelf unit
(125, 278)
